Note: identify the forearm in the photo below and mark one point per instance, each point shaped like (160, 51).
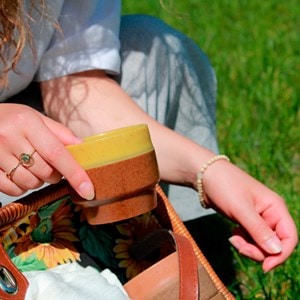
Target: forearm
(91, 102)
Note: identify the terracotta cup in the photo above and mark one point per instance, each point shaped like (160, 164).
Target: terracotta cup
(123, 168)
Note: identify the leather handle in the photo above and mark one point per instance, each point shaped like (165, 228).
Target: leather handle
(188, 269)
(173, 277)
(13, 284)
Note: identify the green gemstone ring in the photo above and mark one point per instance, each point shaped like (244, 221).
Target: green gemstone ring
(26, 159)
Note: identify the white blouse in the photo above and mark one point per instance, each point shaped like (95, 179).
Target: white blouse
(88, 39)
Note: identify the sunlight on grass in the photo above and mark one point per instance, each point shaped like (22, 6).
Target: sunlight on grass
(254, 48)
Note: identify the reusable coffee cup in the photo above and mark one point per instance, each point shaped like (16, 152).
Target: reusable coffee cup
(123, 168)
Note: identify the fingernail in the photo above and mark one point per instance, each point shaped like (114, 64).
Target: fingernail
(237, 245)
(233, 241)
(273, 244)
(86, 190)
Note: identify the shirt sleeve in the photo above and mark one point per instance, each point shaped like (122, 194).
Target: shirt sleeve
(88, 39)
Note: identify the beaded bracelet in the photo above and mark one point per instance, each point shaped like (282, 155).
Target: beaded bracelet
(202, 196)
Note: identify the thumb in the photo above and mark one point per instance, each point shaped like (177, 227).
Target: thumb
(261, 232)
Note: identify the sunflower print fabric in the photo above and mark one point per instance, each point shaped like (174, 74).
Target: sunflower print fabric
(57, 234)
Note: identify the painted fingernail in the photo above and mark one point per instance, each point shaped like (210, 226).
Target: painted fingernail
(86, 190)
(274, 245)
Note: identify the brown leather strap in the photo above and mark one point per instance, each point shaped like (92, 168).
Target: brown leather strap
(13, 284)
(174, 277)
(188, 269)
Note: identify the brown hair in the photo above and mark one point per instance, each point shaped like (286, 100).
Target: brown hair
(15, 33)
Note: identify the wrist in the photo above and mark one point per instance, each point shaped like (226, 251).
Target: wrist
(203, 199)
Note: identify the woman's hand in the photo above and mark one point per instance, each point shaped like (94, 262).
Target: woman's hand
(25, 131)
(267, 232)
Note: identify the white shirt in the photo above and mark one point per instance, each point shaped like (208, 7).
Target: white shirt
(89, 39)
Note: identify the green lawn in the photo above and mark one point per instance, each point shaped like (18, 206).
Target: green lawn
(254, 47)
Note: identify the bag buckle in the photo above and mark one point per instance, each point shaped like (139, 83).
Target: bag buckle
(7, 281)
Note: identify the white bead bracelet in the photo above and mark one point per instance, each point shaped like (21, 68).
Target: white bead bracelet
(202, 196)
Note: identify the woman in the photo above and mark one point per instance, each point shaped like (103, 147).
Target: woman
(94, 78)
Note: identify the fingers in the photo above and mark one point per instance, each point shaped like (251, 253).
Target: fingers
(11, 167)
(264, 235)
(9, 187)
(42, 141)
(35, 174)
(287, 233)
(245, 245)
(251, 250)
(63, 133)
(246, 249)
(49, 165)
(54, 153)
(273, 251)
(41, 169)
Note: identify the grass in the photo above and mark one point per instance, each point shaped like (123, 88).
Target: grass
(254, 48)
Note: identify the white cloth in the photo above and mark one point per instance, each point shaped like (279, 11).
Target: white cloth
(89, 39)
(72, 282)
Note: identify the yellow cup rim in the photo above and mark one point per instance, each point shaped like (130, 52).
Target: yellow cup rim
(112, 146)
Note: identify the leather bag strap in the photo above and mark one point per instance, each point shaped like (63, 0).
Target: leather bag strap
(188, 269)
(174, 277)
